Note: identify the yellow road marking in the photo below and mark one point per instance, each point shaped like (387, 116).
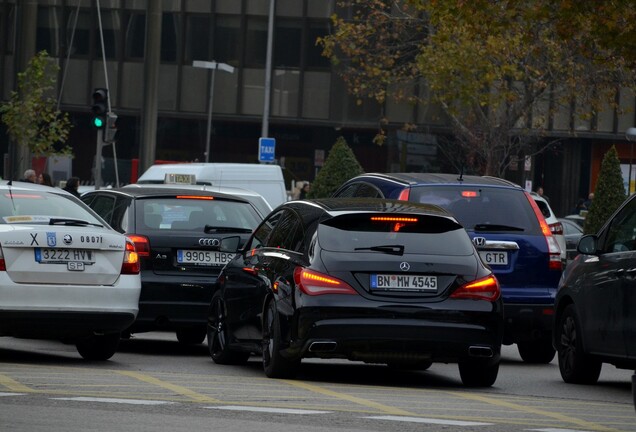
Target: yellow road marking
(360, 401)
(197, 397)
(13, 385)
(566, 419)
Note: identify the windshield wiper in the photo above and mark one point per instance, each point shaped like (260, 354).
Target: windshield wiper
(388, 249)
(71, 222)
(213, 229)
(495, 227)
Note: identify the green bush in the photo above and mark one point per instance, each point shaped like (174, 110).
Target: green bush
(608, 195)
(341, 165)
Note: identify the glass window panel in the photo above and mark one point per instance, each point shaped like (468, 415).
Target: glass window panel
(169, 37)
(47, 34)
(228, 6)
(10, 30)
(253, 93)
(197, 38)
(111, 25)
(135, 35)
(316, 91)
(315, 59)
(319, 8)
(256, 42)
(258, 7)
(198, 5)
(82, 33)
(285, 93)
(287, 41)
(289, 7)
(226, 39)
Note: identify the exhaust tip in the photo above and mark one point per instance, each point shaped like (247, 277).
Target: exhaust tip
(480, 351)
(323, 346)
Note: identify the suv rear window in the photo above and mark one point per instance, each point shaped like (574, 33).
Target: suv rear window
(195, 214)
(482, 208)
(418, 234)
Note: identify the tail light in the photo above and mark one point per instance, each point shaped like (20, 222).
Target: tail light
(556, 228)
(481, 289)
(142, 244)
(3, 266)
(314, 283)
(554, 250)
(131, 259)
(404, 194)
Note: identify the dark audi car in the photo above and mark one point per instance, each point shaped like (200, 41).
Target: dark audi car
(595, 319)
(183, 237)
(379, 281)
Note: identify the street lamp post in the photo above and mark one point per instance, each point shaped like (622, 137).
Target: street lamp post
(213, 66)
(630, 134)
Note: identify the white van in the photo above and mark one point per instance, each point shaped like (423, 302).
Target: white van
(265, 179)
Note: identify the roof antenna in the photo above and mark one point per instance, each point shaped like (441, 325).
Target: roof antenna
(461, 174)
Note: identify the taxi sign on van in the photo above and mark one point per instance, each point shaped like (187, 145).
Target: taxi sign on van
(180, 179)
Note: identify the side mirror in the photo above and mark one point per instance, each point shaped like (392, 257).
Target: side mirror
(588, 245)
(230, 244)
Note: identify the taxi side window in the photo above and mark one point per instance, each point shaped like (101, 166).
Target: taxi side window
(621, 235)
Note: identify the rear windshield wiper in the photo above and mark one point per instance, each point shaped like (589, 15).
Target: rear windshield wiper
(71, 222)
(495, 227)
(213, 229)
(388, 249)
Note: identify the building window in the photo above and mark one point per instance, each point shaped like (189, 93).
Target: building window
(170, 31)
(82, 36)
(256, 42)
(287, 43)
(315, 59)
(227, 39)
(197, 38)
(111, 26)
(47, 35)
(135, 35)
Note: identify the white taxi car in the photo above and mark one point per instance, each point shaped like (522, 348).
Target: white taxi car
(64, 273)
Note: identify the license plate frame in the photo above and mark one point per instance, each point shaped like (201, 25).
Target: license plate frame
(403, 282)
(64, 256)
(203, 258)
(496, 258)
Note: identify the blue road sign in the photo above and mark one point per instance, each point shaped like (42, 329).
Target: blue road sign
(266, 149)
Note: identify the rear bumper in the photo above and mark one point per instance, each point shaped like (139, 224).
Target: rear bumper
(384, 340)
(169, 303)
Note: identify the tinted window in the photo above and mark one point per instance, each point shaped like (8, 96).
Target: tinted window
(194, 214)
(103, 206)
(483, 208)
(288, 233)
(264, 230)
(418, 234)
(621, 235)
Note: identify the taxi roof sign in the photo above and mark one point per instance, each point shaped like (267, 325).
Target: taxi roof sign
(172, 178)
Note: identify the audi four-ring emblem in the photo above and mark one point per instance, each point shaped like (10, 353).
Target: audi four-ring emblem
(209, 242)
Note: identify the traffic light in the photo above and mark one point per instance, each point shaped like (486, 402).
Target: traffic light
(99, 107)
(111, 128)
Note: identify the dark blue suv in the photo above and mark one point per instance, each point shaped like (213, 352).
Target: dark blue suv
(508, 230)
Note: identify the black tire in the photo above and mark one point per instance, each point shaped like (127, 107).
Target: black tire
(274, 364)
(218, 338)
(191, 336)
(98, 347)
(538, 351)
(478, 373)
(575, 365)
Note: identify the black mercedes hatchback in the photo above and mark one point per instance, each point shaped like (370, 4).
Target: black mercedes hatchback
(183, 237)
(372, 280)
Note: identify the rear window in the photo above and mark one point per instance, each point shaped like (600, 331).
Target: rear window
(195, 214)
(483, 208)
(40, 207)
(416, 234)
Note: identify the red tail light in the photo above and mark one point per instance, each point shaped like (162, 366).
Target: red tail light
(481, 289)
(3, 266)
(556, 228)
(554, 250)
(131, 259)
(314, 283)
(404, 194)
(142, 244)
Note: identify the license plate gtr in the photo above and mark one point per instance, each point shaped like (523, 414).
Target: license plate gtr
(494, 258)
(403, 282)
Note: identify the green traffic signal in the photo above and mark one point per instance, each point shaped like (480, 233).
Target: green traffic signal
(98, 122)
